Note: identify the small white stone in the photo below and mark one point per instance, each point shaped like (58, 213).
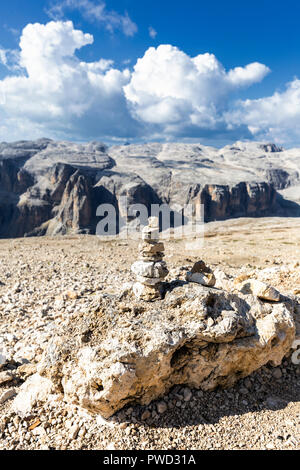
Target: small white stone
(270, 446)
(153, 222)
(36, 388)
(3, 359)
(149, 233)
(74, 430)
(110, 446)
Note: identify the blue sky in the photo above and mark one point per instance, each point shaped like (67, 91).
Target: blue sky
(221, 99)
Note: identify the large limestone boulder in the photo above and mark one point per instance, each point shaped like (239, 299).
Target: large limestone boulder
(126, 350)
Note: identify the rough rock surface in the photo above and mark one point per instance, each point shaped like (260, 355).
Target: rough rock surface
(260, 289)
(35, 389)
(51, 188)
(127, 351)
(46, 282)
(201, 274)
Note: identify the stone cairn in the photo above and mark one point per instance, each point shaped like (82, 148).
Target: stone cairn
(150, 269)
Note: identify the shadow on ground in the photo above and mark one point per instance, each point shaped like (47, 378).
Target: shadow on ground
(256, 393)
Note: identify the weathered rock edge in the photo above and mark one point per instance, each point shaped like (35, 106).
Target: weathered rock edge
(201, 337)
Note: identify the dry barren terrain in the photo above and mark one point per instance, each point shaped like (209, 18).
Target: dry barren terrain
(43, 280)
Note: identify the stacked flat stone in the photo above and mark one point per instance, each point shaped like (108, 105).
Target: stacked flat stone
(150, 269)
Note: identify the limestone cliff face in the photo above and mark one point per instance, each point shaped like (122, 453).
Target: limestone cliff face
(51, 188)
(74, 212)
(13, 179)
(242, 200)
(225, 201)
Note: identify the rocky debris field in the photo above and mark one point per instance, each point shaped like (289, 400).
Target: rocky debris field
(48, 284)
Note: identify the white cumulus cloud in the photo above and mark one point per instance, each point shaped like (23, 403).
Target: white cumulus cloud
(276, 117)
(245, 76)
(170, 88)
(168, 94)
(60, 95)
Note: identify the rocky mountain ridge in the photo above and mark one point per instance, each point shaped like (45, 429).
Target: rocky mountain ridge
(49, 188)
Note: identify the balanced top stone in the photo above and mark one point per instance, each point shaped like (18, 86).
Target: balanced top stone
(153, 222)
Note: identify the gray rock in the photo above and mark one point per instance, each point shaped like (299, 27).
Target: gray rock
(150, 269)
(54, 188)
(146, 415)
(162, 407)
(3, 359)
(187, 394)
(201, 274)
(277, 373)
(7, 395)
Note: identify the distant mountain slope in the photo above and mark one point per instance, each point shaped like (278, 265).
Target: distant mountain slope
(49, 187)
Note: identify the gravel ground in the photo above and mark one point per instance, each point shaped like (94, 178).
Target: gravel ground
(43, 280)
